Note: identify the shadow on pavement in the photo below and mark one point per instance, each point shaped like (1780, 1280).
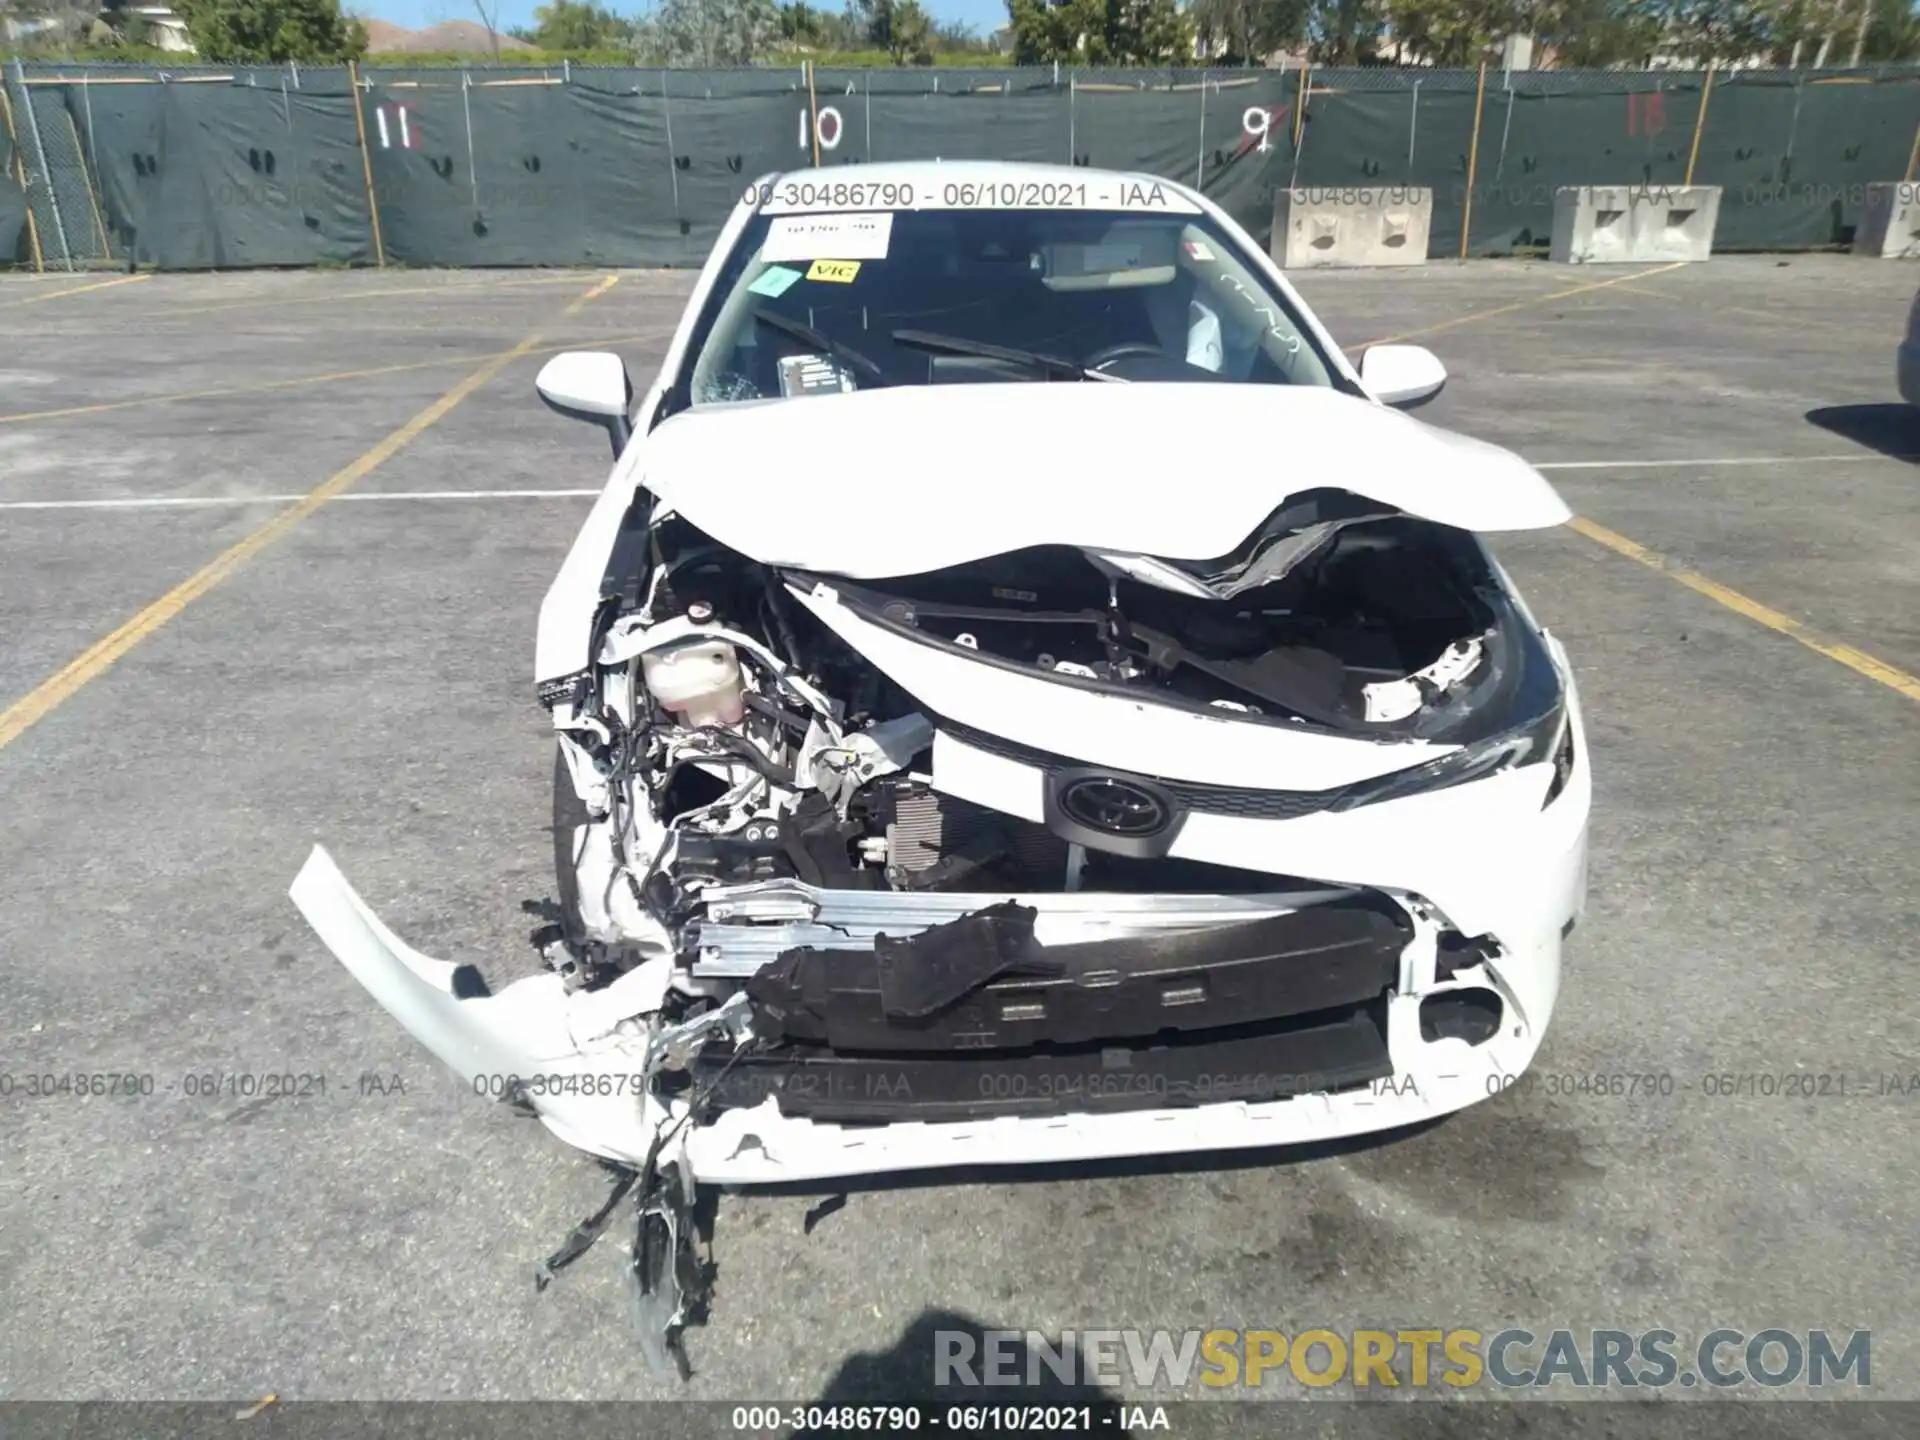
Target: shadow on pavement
(911, 1373)
(1893, 430)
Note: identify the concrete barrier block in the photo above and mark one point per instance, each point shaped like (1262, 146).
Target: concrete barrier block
(1351, 225)
(1626, 224)
(1889, 227)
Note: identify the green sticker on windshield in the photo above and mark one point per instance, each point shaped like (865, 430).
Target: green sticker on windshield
(774, 280)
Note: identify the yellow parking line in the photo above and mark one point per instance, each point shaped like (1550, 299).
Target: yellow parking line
(328, 377)
(1525, 304)
(76, 290)
(1858, 661)
(34, 707)
(1715, 306)
(486, 287)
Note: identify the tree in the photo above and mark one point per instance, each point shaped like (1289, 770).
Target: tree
(958, 37)
(1151, 32)
(489, 12)
(314, 32)
(578, 25)
(801, 24)
(899, 27)
(51, 24)
(1245, 32)
(708, 33)
(1100, 32)
(1893, 32)
(1839, 32)
(1453, 33)
(1044, 31)
(1343, 32)
(1594, 34)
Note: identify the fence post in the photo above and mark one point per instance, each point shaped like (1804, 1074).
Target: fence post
(20, 167)
(1413, 129)
(1200, 158)
(1473, 159)
(1913, 155)
(1699, 123)
(813, 116)
(46, 176)
(366, 164)
(466, 117)
(1300, 110)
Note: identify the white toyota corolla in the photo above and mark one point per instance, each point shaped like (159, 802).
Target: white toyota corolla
(1021, 696)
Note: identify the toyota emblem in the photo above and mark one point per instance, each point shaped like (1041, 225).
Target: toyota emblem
(1114, 806)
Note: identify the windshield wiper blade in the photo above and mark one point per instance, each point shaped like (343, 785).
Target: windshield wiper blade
(807, 335)
(958, 345)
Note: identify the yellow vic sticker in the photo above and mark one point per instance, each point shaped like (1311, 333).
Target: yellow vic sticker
(838, 272)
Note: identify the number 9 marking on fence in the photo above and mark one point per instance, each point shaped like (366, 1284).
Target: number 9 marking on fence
(1255, 123)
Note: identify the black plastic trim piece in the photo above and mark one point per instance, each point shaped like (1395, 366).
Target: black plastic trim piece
(981, 983)
(1473, 1015)
(1327, 1052)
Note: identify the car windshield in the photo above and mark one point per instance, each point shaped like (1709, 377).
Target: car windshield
(826, 303)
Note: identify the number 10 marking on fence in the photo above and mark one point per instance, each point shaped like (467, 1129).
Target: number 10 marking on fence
(827, 126)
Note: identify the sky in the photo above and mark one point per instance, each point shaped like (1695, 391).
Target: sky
(984, 15)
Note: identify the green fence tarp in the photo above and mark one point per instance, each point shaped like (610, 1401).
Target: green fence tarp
(13, 220)
(623, 166)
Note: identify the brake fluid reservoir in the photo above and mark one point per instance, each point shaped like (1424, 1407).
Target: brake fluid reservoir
(698, 681)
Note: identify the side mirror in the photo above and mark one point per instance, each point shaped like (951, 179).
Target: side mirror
(1402, 375)
(590, 385)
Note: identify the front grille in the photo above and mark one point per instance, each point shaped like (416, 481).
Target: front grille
(1240, 802)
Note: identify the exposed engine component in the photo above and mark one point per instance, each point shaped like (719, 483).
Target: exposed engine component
(737, 738)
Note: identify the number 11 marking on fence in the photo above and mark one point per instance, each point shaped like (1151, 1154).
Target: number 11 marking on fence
(409, 135)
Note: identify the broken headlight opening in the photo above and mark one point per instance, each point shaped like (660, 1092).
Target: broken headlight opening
(1539, 739)
(1333, 617)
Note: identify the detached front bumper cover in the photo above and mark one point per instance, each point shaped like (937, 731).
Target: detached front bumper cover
(591, 1054)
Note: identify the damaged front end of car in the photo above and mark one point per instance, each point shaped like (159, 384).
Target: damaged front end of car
(1059, 854)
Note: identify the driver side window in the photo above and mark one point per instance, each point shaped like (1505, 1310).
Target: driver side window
(1258, 340)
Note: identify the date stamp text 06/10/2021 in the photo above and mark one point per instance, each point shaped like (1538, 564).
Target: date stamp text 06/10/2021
(1790, 1083)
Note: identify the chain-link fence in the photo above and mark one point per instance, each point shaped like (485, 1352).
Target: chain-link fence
(204, 167)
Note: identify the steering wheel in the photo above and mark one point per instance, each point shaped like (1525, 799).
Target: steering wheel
(1100, 359)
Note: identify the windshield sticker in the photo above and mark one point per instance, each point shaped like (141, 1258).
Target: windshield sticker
(1197, 249)
(774, 281)
(837, 272)
(987, 190)
(812, 375)
(828, 237)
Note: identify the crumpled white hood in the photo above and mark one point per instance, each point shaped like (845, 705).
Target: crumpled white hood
(906, 480)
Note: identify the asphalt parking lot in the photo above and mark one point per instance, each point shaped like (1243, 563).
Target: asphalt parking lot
(1741, 598)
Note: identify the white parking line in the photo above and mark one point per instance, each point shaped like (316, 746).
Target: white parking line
(182, 502)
